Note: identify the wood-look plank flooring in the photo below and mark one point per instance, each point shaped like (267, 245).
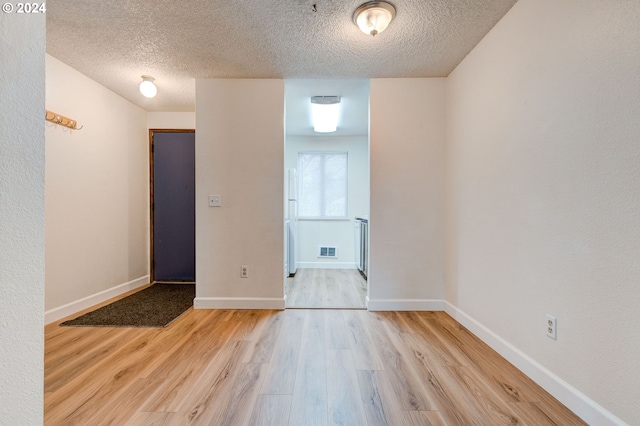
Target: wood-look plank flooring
(288, 368)
(326, 288)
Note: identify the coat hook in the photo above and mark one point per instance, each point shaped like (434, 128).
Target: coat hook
(61, 120)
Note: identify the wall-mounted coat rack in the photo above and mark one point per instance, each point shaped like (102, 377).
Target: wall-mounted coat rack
(61, 120)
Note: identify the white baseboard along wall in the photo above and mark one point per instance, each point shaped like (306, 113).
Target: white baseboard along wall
(239, 303)
(586, 408)
(326, 265)
(404, 304)
(71, 308)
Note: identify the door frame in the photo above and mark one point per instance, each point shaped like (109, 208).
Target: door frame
(151, 204)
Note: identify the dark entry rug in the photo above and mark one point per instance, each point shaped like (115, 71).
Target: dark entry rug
(155, 306)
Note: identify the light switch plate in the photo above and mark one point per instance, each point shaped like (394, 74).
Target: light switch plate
(215, 201)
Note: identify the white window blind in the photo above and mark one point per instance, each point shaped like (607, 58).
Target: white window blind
(322, 184)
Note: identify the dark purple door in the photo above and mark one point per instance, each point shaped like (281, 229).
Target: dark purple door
(174, 230)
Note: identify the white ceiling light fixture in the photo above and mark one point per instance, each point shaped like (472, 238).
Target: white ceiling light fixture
(373, 17)
(325, 111)
(148, 87)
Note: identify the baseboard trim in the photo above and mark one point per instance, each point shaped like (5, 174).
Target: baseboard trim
(71, 308)
(404, 304)
(239, 303)
(586, 408)
(327, 265)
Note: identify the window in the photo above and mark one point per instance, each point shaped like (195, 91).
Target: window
(322, 185)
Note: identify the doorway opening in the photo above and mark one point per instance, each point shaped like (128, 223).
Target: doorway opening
(172, 205)
(326, 197)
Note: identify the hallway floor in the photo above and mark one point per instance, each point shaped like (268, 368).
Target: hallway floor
(288, 368)
(326, 288)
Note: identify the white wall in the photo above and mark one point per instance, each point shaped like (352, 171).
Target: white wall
(407, 193)
(240, 155)
(97, 193)
(171, 120)
(339, 233)
(22, 74)
(543, 193)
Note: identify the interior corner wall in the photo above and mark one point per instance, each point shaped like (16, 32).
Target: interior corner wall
(543, 193)
(240, 156)
(22, 209)
(339, 233)
(407, 145)
(97, 191)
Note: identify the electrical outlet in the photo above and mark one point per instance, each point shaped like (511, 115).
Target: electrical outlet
(244, 271)
(552, 327)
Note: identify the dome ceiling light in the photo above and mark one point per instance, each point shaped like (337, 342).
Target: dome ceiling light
(148, 87)
(373, 17)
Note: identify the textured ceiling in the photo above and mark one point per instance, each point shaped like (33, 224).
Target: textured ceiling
(114, 42)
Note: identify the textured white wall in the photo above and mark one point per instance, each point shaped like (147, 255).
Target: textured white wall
(407, 134)
(543, 190)
(314, 233)
(239, 155)
(22, 81)
(171, 120)
(97, 189)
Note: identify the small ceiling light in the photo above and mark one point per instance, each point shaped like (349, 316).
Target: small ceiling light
(325, 111)
(374, 17)
(147, 87)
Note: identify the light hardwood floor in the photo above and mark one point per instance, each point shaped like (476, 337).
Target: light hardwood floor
(293, 367)
(326, 288)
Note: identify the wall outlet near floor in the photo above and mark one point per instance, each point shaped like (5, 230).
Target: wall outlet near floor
(244, 271)
(552, 327)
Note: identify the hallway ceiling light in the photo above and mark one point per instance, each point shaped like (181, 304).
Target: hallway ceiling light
(148, 87)
(373, 17)
(325, 111)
